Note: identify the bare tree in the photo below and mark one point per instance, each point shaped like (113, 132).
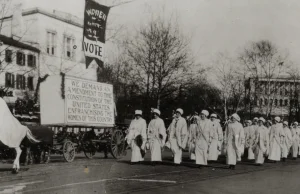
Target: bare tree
(262, 60)
(161, 59)
(230, 81)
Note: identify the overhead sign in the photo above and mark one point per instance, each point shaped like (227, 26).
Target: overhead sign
(88, 103)
(95, 17)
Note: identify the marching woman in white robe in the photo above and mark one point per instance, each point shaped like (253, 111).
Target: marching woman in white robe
(192, 135)
(234, 140)
(217, 139)
(178, 135)
(249, 140)
(287, 142)
(156, 136)
(137, 127)
(203, 138)
(276, 140)
(295, 138)
(261, 142)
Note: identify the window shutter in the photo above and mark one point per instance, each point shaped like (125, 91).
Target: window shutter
(6, 80)
(29, 60)
(23, 59)
(23, 82)
(18, 82)
(34, 61)
(12, 80)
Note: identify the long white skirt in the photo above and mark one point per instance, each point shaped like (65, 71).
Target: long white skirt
(285, 151)
(250, 154)
(295, 149)
(232, 154)
(201, 152)
(177, 151)
(213, 153)
(155, 149)
(275, 151)
(136, 155)
(259, 156)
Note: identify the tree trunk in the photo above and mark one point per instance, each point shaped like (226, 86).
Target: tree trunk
(225, 109)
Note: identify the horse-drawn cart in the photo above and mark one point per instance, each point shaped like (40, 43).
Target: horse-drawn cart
(82, 116)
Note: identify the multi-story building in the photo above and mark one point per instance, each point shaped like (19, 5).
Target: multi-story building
(274, 96)
(19, 69)
(58, 36)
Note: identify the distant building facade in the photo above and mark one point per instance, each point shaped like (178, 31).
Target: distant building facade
(275, 96)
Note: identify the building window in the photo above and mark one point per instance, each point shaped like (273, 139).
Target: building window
(266, 101)
(292, 103)
(21, 82)
(285, 102)
(261, 102)
(30, 83)
(68, 47)
(286, 92)
(271, 102)
(20, 58)
(281, 102)
(280, 91)
(8, 56)
(276, 102)
(31, 60)
(51, 43)
(9, 80)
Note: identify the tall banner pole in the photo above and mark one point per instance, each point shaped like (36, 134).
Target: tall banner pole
(95, 18)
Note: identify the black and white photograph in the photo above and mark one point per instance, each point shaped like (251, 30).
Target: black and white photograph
(149, 96)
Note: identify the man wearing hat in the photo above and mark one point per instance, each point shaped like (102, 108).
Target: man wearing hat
(234, 140)
(295, 138)
(137, 137)
(287, 141)
(156, 136)
(192, 134)
(276, 140)
(217, 139)
(261, 142)
(203, 137)
(178, 135)
(249, 140)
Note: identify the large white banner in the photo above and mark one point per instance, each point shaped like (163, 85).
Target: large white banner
(88, 103)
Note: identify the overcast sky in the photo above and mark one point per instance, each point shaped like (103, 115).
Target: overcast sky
(214, 25)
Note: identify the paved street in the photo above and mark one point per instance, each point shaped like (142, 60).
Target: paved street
(110, 176)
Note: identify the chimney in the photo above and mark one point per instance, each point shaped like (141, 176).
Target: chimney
(17, 21)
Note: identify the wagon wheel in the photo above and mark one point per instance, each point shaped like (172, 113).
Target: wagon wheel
(117, 144)
(89, 149)
(68, 151)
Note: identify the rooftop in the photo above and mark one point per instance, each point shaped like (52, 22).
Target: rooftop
(10, 41)
(59, 15)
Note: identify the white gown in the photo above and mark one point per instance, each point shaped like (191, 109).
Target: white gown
(178, 137)
(234, 140)
(156, 127)
(276, 141)
(204, 135)
(216, 142)
(137, 127)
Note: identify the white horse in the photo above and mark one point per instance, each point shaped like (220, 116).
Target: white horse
(12, 133)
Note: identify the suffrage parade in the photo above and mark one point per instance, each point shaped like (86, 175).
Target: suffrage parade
(204, 139)
(144, 96)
